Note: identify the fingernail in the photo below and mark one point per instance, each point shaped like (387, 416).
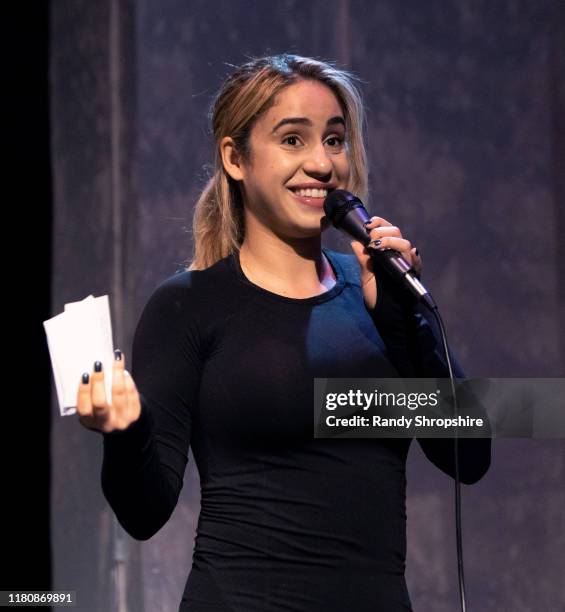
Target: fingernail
(118, 355)
(374, 243)
(417, 252)
(85, 378)
(98, 366)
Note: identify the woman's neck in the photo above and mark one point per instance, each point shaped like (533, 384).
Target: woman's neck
(294, 268)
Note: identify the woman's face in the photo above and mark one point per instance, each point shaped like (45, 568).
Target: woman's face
(298, 144)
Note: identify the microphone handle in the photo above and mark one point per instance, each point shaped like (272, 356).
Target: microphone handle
(395, 265)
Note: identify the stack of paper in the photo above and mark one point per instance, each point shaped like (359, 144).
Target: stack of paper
(78, 337)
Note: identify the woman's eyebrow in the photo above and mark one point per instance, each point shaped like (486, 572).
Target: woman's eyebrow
(306, 121)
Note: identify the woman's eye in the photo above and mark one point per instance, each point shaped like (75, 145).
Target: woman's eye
(335, 142)
(291, 140)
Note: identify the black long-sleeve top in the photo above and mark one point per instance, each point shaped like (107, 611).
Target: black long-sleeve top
(287, 521)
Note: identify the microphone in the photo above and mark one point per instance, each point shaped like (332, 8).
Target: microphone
(347, 214)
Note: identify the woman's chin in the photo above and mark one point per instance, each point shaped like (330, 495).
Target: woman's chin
(305, 231)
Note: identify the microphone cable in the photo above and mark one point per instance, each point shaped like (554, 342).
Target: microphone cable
(457, 483)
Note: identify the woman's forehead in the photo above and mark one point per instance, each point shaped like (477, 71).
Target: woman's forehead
(309, 102)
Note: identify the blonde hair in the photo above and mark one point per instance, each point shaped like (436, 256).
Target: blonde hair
(218, 223)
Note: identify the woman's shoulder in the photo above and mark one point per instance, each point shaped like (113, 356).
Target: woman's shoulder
(186, 278)
(347, 264)
(199, 289)
(188, 307)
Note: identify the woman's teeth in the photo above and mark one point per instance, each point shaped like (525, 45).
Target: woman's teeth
(311, 193)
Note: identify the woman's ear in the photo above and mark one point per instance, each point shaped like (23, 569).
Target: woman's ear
(231, 158)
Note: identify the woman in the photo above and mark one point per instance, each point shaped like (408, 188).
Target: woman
(225, 354)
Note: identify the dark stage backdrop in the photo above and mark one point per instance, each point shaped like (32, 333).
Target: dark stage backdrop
(466, 141)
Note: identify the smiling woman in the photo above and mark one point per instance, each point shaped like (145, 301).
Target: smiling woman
(226, 352)
(303, 154)
(296, 110)
(296, 153)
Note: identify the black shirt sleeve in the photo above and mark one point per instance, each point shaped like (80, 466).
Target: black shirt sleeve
(413, 341)
(143, 465)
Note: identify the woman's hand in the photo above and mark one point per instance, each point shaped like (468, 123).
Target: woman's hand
(93, 409)
(390, 238)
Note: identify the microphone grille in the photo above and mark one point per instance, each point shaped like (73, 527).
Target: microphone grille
(338, 203)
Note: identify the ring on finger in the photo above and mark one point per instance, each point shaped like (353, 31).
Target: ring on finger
(376, 243)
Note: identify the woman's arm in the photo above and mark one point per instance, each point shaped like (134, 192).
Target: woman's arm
(414, 344)
(143, 465)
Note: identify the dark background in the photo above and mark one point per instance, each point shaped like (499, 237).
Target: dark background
(27, 214)
(467, 148)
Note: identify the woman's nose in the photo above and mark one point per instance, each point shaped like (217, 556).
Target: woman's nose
(318, 161)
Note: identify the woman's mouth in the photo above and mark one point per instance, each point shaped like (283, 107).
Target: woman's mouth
(311, 197)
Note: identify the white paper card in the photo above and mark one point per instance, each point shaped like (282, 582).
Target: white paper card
(76, 338)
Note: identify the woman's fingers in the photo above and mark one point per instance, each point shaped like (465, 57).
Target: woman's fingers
(125, 398)
(119, 395)
(384, 235)
(88, 394)
(92, 406)
(401, 245)
(416, 260)
(84, 405)
(97, 391)
(133, 401)
(377, 222)
(384, 230)
(387, 236)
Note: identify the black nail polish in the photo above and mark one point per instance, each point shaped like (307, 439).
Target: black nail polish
(98, 366)
(118, 355)
(417, 252)
(85, 378)
(374, 243)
